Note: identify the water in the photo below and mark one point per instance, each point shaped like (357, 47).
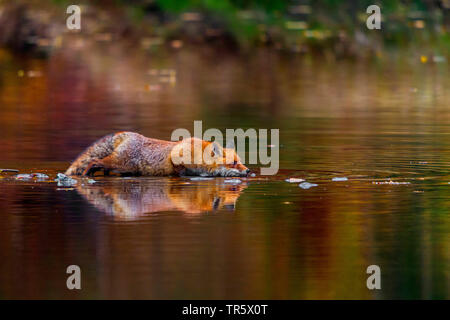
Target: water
(384, 126)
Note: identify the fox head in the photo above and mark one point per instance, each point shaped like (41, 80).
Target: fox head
(207, 196)
(198, 157)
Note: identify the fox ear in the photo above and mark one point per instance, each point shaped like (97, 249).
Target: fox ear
(217, 149)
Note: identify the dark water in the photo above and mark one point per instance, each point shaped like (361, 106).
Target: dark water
(263, 239)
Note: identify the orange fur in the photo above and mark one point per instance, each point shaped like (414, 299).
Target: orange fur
(116, 198)
(132, 153)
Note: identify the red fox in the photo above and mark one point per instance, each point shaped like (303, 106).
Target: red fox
(134, 154)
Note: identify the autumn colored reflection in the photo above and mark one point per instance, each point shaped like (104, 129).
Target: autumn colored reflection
(130, 199)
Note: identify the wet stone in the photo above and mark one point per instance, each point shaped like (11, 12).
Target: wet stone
(65, 181)
(233, 181)
(24, 176)
(307, 185)
(40, 176)
(200, 179)
(294, 180)
(339, 179)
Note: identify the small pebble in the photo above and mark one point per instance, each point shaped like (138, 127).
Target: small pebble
(252, 175)
(307, 185)
(200, 178)
(38, 175)
(91, 181)
(339, 179)
(24, 176)
(233, 181)
(65, 181)
(294, 180)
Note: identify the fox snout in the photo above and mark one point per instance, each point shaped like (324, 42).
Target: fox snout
(245, 172)
(234, 172)
(238, 168)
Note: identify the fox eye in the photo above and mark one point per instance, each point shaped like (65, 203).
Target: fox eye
(235, 162)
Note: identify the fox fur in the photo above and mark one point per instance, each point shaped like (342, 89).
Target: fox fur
(129, 153)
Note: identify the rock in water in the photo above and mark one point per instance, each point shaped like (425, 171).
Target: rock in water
(339, 179)
(307, 185)
(24, 176)
(65, 181)
(233, 181)
(39, 176)
(294, 180)
(201, 178)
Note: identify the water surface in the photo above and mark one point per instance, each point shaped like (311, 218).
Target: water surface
(165, 238)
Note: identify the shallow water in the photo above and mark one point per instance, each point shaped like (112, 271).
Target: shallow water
(262, 239)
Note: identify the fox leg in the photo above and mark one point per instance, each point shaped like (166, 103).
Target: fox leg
(93, 167)
(114, 162)
(108, 163)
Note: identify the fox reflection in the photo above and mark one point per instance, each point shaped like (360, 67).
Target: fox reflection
(134, 199)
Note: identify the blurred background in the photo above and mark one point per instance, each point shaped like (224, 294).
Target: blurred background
(327, 27)
(368, 105)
